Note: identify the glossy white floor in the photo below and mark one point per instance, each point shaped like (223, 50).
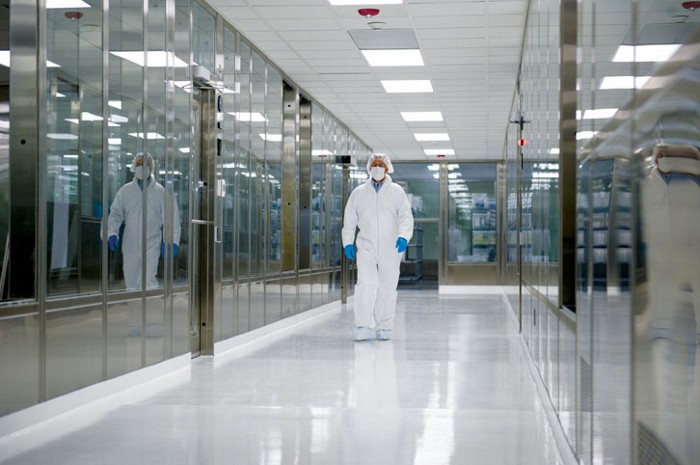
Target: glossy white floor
(452, 387)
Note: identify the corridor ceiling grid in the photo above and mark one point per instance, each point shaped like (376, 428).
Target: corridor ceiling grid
(471, 51)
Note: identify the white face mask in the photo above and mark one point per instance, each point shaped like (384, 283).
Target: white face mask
(377, 173)
(141, 172)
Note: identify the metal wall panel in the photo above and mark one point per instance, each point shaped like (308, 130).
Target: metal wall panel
(290, 180)
(73, 349)
(304, 227)
(124, 330)
(155, 330)
(19, 362)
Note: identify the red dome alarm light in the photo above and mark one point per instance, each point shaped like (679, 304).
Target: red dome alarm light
(368, 12)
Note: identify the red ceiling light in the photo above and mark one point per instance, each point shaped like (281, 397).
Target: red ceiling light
(691, 5)
(522, 142)
(73, 15)
(441, 156)
(368, 12)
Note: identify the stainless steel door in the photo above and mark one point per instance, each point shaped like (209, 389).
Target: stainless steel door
(206, 243)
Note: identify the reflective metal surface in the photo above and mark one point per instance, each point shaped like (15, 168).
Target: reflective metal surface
(104, 102)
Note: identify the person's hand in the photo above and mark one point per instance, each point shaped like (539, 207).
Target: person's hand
(401, 244)
(162, 249)
(350, 252)
(113, 243)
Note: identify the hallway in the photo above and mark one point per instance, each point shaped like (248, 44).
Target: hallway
(452, 387)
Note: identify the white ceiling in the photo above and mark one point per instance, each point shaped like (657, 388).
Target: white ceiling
(471, 50)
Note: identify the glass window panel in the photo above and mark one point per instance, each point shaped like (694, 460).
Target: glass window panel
(243, 118)
(273, 107)
(74, 154)
(204, 37)
(472, 213)
(257, 159)
(182, 154)
(229, 159)
(126, 135)
(155, 146)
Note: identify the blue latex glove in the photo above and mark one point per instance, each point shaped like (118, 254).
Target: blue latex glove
(162, 250)
(350, 252)
(401, 244)
(113, 243)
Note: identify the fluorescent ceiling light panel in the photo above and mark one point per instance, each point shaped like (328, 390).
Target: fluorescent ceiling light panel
(249, 117)
(271, 137)
(623, 82)
(427, 137)
(55, 4)
(114, 141)
(583, 135)
(553, 151)
(156, 59)
(421, 116)
(439, 151)
(116, 104)
(393, 57)
(364, 2)
(645, 53)
(5, 60)
(57, 136)
(321, 153)
(407, 86)
(598, 113)
(149, 135)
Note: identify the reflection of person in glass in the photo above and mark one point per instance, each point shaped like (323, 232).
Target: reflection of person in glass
(382, 212)
(127, 208)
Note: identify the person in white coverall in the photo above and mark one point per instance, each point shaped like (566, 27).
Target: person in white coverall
(127, 208)
(382, 212)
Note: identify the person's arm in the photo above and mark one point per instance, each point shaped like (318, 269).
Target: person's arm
(177, 228)
(405, 217)
(116, 215)
(350, 220)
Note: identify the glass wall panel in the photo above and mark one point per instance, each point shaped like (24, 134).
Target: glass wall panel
(4, 154)
(273, 108)
(229, 161)
(256, 193)
(74, 124)
(244, 118)
(204, 37)
(472, 212)
(420, 181)
(182, 133)
(126, 139)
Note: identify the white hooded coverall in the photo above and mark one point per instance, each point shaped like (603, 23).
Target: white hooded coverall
(127, 209)
(382, 217)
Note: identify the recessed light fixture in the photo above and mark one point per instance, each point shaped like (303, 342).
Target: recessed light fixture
(409, 116)
(364, 2)
(623, 82)
(598, 113)
(249, 117)
(149, 135)
(321, 153)
(553, 151)
(583, 135)
(402, 57)
(56, 4)
(645, 53)
(155, 59)
(439, 151)
(407, 86)
(61, 136)
(427, 137)
(271, 137)
(5, 60)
